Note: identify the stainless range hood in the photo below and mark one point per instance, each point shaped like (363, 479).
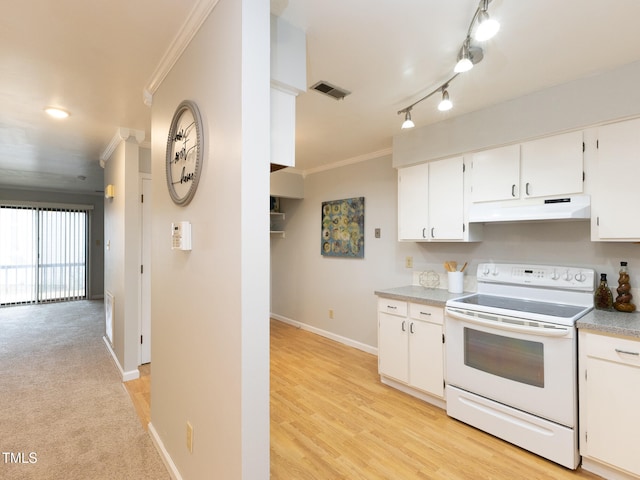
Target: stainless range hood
(572, 207)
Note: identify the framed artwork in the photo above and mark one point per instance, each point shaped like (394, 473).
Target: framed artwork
(343, 228)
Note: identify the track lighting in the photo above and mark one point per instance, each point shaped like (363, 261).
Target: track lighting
(487, 27)
(408, 123)
(468, 56)
(445, 104)
(464, 59)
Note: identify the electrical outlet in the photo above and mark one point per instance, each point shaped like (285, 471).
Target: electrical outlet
(330, 313)
(189, 437)
(408, 262)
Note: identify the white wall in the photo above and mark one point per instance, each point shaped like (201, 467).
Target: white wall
(122, 253)
(305, 285)
(209, 306)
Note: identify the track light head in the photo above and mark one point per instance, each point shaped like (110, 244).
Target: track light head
(408, 123)
(487, 27)
(445, 104)
(464, 59)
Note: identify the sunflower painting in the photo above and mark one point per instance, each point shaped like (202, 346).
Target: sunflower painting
(343, 228)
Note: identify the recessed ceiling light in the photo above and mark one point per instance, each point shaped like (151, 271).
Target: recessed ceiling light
(56, 112)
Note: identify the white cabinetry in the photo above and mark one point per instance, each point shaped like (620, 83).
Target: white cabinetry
(431, 202)
(410, 348)
(609, 404)
(496, 174)
(539, 168)
(413, 202)
(616, 179)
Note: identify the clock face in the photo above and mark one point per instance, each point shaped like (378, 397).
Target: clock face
(184, 153)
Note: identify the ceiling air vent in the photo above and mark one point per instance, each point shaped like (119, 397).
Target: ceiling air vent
(330, 90)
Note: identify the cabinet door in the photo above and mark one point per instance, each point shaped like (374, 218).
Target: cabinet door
(446, 204)
(393, 354)
(552, 166)
(496, 174)
(617, 178)
(426, 357)
(613, 413)
(413, 202)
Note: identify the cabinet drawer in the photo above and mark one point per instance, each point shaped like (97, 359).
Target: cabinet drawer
(614, 349)
(428, 313)
(393, 307)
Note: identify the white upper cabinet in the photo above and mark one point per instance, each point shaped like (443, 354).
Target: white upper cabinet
(496, 174)
(413, 202)
(539, 168)
(616, 179)
(552, 165)
(431, 202)
(446, 199)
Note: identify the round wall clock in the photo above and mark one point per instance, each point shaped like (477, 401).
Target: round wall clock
(185, 144)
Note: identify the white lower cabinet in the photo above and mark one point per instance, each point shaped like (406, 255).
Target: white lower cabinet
(609, 404)
(410, 346)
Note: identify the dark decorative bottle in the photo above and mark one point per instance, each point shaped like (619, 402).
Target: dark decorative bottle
(603, 298)
(623, 300)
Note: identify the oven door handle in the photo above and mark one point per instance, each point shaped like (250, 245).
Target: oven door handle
(509, 327)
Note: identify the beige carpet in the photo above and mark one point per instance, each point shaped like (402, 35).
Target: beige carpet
(64, 414)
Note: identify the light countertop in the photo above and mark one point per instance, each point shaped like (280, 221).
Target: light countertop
(613, 322)
(436, 297)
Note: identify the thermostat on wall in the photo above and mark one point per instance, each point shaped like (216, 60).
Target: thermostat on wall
(181, 236)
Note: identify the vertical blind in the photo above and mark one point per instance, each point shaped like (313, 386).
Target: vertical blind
(43, 253)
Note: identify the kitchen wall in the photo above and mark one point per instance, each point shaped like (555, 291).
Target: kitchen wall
(306, 285)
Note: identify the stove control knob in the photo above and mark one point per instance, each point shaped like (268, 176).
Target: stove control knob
(555, 275)
(567, 276)
(485, 271)
(580, 277)
(495, 272)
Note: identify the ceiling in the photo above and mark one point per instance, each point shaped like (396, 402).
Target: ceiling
(95, 58)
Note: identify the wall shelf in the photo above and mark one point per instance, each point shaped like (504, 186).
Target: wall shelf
(276, 224)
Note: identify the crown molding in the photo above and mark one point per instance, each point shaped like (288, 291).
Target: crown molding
(190, 27)
(122, 134)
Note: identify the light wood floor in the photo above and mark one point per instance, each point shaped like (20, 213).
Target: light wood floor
(331, 418)
(140, 393)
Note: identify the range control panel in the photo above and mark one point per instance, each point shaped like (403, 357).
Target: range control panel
(552, 276)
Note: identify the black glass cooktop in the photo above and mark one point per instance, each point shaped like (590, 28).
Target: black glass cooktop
(516, 304)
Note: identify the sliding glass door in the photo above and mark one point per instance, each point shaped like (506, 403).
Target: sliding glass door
(43, 254)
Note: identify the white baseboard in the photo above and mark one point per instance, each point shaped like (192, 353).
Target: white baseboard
(604, 470)
(324, 333)
(126, 376)
(164, 455)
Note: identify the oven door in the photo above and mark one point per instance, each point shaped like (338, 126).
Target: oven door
(530, 366)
